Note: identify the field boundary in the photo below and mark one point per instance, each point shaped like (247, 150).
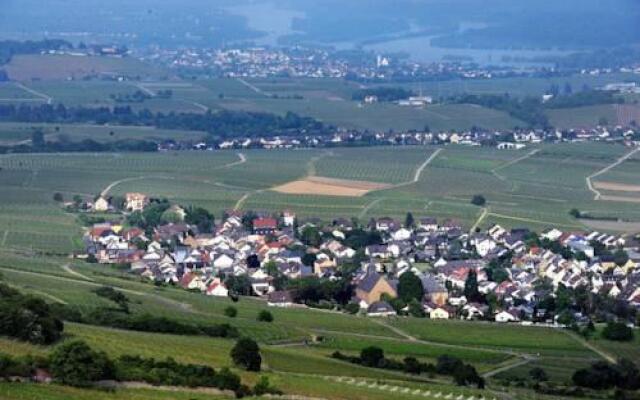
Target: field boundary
(34, 92)
(495, 170)
(420, 169)
(590, 186)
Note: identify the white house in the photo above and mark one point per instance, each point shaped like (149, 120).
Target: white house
(506, 316)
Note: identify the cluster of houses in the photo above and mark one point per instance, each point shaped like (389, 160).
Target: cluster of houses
(510, 139)
(441, 254)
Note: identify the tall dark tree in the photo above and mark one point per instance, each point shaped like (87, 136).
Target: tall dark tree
(410, 287)
(409, 222)
(471, 286)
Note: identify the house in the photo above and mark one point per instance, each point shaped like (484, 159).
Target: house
(428, 224)
(380, 309)
(280, 298)
(288, 218)
(434, 292)
(191, 281)
(441, 312)
(264, 226)
(101, 205)
(511, 315)
(373, 286)
(136, 201)
(217, 288)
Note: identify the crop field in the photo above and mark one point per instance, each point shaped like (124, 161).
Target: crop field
(523, 188)
(512, 338)
(12, 391)
(516, 86)
(62, 67)
(582, 117)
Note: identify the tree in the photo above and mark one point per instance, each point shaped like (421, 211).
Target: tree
(372, 356)
(471, 287)
(265, 316)
(478, 200)
(76, 364)
(410, 287)
(538, 374)
(575, 213)
(409, 222)
(311, 236)
(231, 312)
(309, 259)
(37, 138)
(620, 257)
(617, 331)
(246, 354)
(200, 217)
(57, 197)
(416, 309)
(253, 261)
(412, 365)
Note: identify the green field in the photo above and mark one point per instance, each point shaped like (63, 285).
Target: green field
(522, 188)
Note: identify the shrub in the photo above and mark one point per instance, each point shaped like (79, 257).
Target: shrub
(265, 316)
(352, 308)
(538, 374)
(264, 387)
(478, 200)
(76, 364)
(27, 318)
(617, 331)
(231, 312)
(372, 356)
(246, 354)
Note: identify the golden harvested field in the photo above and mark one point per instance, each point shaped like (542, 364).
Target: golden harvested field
(329, 187)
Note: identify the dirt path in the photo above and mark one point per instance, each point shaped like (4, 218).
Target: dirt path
(596, 192)
(254, 88)
(43, 96)
(483, 215)
(67, 268)
(145, 89)
(512, 162)
(121, 181)
(368, 207)
(515, 364)
(242, 160)
(591, 347)
(420, 169)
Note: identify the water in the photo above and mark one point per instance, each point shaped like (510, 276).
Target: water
(268, 17)
(276, 21)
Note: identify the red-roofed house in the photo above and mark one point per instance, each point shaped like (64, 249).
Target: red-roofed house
(264, 226)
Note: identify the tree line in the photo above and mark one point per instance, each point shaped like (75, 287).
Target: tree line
(220, 124)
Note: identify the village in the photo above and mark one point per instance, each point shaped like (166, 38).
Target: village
(509, 139)
(383, 267)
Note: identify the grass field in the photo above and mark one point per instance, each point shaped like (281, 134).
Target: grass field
(523, 188)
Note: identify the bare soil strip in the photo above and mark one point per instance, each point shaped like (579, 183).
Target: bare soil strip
(329, 187)
(617, 187)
